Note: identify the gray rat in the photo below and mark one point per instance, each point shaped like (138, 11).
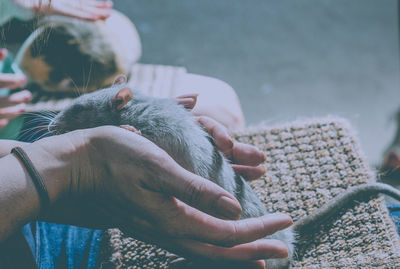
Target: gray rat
(172, 128)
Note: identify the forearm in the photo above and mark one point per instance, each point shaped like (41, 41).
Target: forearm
(7, 145)
(19, 199)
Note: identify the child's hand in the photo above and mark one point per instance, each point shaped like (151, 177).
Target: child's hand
(82, 9)
(12, 105)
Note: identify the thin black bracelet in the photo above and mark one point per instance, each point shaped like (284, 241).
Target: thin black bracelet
(36, 178)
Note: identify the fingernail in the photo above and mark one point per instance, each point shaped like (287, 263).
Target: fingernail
(3, 122)
(21, 107)
(21, 78)
(264, 156)
(287, 223)
(26, 95)
(280, 255)
(264, 169)
(229, 208)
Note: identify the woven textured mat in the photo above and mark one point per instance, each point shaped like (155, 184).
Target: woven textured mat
(307, 163)
(155, 80)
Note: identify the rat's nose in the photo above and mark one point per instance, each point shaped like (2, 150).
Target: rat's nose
(52, 127)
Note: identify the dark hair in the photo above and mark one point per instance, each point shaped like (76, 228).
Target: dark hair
(74, 49)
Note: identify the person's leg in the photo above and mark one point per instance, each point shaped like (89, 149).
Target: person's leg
(394, 211)
(216, 99)
(64, 246)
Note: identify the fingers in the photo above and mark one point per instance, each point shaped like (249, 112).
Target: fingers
(220, 134)
(3, 54)
(90, 14)
(15, 98)
(201, 193)
(96, 13)
(3, 123)
(247, 154)
(85, 10)
(249, 172)
(181, 263)
(101, 4)
(181, 221)
(12, 81)
(247, 157)
(188, 101)
(219, 240)
(257, 250)
(12, 111)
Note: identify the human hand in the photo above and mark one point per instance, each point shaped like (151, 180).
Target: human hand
(121, 179)
(12, 105)
(246, 158)
(91, 10)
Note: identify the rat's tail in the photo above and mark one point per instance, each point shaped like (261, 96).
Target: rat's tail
(355, 194)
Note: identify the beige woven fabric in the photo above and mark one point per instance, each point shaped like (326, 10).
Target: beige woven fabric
(155, 80)
(308, 163)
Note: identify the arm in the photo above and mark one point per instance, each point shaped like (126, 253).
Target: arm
(7, 145)
(109, 177)
(19, 201)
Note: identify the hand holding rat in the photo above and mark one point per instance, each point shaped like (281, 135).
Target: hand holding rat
(12, 105)
(109, 177)
(246, 158)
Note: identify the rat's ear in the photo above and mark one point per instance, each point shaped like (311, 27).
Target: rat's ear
(120, 79)
(122, 97)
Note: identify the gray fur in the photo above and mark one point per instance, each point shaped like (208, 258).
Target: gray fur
(171, 127)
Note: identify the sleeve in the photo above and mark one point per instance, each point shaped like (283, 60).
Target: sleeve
(9, 9)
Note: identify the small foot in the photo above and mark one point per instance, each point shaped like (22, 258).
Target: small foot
(131, 129)
(188, 101)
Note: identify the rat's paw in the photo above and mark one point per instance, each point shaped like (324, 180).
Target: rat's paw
(131, 129)
(188, 101)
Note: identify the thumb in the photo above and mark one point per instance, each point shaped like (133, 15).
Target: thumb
(201, 193)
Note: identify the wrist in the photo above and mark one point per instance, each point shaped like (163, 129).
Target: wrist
(58, 159)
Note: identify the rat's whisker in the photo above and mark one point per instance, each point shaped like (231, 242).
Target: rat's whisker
(38, 113)
(39, 118)
(44, 135)
(36, 128)
(88, 79)
(76, 89)
(30, 136)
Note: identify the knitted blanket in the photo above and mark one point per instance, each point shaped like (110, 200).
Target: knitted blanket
(307, 163)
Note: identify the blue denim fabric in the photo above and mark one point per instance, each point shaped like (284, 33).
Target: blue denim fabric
(394, 211)
(63, 246)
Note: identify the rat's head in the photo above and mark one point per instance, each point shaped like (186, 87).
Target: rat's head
(68, 55)
(94, 109)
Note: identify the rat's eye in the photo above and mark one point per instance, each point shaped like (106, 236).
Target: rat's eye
(78, 108)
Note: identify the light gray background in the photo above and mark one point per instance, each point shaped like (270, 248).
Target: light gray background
(286, 59)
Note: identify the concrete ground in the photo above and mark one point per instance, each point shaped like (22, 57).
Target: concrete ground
(286, 59)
